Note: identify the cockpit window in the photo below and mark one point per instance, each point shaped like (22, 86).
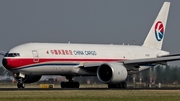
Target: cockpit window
(12, 55)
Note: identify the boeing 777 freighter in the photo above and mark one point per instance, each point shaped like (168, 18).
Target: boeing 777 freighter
(110, 63)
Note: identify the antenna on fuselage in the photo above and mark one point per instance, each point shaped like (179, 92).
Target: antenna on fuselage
(134, 42)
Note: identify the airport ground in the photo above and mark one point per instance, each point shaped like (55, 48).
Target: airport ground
(90, 95)
(97, 92)
(57, 85)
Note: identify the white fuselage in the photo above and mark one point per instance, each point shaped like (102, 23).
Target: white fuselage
(66, 59)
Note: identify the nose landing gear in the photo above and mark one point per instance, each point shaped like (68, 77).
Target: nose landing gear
(19, 77)
(20, 84)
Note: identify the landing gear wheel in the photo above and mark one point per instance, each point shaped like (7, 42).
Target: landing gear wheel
(63, 84)
(120, 85)
(124, 84)
(70, 84)
(76, 84)
(20, 85)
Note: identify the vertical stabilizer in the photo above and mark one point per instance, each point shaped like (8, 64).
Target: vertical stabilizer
(156, 34)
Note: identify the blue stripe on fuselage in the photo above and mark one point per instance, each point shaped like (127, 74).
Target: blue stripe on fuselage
(49, 64)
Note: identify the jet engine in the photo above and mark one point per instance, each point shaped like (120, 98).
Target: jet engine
(111, 73)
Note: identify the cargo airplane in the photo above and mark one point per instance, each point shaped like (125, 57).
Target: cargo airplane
(110, 63)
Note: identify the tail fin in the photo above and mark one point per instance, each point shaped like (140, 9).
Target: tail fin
(156, 34)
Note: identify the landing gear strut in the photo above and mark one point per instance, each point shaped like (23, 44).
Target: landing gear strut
(120, 85)
(70, 83)
(19, 77)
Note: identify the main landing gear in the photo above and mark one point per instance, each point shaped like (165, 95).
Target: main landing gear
(120, 85)
(19, 77)
(70, 83)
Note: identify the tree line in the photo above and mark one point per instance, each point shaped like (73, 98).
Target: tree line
(157, 74)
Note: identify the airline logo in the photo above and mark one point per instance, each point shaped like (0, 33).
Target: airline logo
(159, 30)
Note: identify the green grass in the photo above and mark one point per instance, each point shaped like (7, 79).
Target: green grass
(36, 85)
(91, 95)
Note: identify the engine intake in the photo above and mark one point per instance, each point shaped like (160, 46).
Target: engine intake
(112, 73)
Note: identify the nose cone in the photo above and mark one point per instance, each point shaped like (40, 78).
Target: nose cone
(4, 62)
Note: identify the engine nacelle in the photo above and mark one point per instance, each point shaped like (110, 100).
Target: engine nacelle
(112, 73)
(30, 78)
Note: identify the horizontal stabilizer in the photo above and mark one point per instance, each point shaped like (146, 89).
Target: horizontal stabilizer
(2, 52)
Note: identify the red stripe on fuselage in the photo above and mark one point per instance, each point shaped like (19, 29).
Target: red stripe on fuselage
(20, 62)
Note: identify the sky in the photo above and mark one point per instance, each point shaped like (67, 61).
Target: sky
(85, 21)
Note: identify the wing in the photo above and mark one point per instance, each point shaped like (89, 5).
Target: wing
(2, 52)
(92, 67)
(148, 61)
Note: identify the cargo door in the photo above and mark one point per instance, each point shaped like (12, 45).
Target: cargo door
(35, 56)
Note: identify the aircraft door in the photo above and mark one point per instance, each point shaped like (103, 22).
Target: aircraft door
(35, 56)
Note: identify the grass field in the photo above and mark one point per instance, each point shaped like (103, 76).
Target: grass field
(35, 85)
(91, 95)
